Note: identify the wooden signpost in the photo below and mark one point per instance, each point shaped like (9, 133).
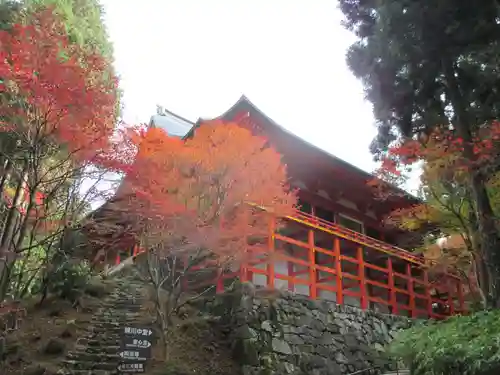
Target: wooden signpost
(135, 349)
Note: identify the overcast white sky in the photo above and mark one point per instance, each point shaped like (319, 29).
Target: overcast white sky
(196, 58)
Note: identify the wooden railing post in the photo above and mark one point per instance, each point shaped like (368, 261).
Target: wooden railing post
(411, 291)
(362, 281)
(219, 286)
(271, 245)
(313, 291)
(451, 294)
(338, 271)
(244, 272)
(461, 300)
(392, 286)
(244, 277)
(428, 293)
(291, 273)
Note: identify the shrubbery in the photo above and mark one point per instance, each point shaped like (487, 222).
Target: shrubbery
(461, 345)
(70, 280)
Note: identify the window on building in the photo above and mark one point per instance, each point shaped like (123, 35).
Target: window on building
(374, 233)
(324, 214)
(304, 206)
(350, 223)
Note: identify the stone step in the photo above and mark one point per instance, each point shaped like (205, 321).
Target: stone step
(121, 308)
(398, 372)
(97, 343)
(111, 325)
(113, 329)
(70, 364)
(83, 356)
(123, 299)
(116, 318)
(96, 349)
(101, 334)
(86, 372)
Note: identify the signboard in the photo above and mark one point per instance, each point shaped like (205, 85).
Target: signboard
(132, 354)
(138, 331)
(135, 349)
(141, 346)
(132, 368)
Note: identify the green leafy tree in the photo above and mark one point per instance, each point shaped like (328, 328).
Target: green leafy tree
(433, 65)
(83, 21)
(462, 345)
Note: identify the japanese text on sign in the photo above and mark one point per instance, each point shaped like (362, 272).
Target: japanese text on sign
(131, 367)
(138, 331)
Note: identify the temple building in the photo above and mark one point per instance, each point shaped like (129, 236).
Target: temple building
(336, 246)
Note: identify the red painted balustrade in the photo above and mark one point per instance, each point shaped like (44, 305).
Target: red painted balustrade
(325, 260)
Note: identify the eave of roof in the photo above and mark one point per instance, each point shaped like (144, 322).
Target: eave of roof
(172, 123)
(243, 100)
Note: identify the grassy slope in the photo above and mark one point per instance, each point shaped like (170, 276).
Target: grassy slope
(196, 346)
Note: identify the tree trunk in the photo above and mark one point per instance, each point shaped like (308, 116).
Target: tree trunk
(488, 234)
(5, 174)
(6, 252)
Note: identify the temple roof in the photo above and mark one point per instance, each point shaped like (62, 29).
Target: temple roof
(292, 140)
(172, 123)
(302, 157)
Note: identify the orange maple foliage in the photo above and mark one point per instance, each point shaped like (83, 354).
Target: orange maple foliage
(54, 89)
(445, 161)
(444, 149)
(200, 193)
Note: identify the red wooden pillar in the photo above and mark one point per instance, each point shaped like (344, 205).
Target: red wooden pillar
(451, 294)
(338, 271)
(428, 293)
(362, 281)
(291, 273)
(118, 258)
(313, 291)
(244, 272)
(219, 286)
(184, 284)
(411, 291)
(244, 277)
(460, 293)
(392, 288)
(270, 260)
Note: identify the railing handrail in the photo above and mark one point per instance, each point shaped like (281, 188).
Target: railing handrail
(363, 239)
(358, 237)
(349, 234)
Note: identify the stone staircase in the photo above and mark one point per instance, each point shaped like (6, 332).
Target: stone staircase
(96, 352)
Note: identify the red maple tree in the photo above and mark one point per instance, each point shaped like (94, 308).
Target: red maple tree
(446, 185)
(204, 203)
(58, 107)
(208, 190)
(52, 88)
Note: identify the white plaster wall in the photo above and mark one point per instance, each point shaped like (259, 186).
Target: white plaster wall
(281, 267)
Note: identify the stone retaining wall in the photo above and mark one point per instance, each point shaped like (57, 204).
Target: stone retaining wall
(291, 334)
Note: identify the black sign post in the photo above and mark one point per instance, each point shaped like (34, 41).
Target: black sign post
(135, 349)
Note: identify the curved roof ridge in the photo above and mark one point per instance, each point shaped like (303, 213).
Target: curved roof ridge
(172, 123)
(369, 175)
